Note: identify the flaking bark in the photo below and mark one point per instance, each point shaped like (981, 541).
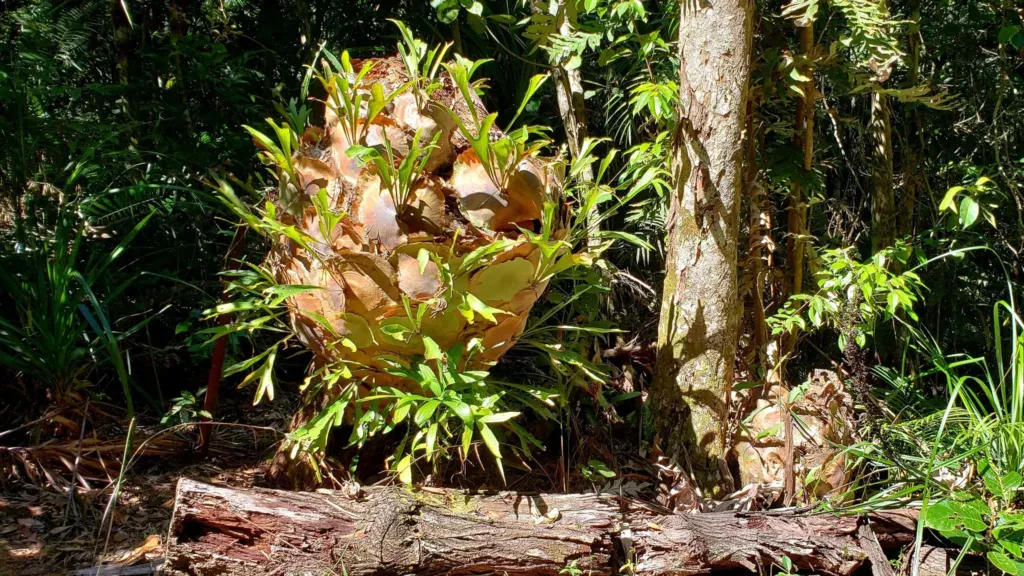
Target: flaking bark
(700, 310)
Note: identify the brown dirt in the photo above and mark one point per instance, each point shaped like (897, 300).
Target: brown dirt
(41, 536)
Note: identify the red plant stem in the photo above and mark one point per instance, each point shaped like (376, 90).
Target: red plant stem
(220, 348)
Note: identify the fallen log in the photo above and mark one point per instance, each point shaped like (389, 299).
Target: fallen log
(227, 531)
(939, 561)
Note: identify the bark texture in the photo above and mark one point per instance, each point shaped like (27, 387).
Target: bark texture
(225, 531)
(939, 561)
(883, 201)
(915, 177)
(569, 84)
(700, 311)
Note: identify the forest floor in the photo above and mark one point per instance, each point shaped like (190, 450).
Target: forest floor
(41, 535)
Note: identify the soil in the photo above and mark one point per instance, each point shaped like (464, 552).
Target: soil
(41, 535)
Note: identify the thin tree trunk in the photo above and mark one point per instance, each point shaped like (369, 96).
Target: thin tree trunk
(122, 40)
(457, 37)
(220, 347)
(700, 311)
(569, 83)
(14, 175)
(915, 178)
(123, 46)
(796, 222)
(883, 198)
(760, 226)
(226, 531)
(883, 201)
(179, 12)
(569, 92)
(571, 104)
(803, 139)
(914, 175)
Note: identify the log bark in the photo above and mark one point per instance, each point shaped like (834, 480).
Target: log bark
(939, 561)
(227, 531)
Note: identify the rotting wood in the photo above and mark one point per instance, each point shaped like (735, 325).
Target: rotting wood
(229, 531)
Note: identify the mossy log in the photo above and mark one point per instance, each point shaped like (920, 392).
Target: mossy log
(228, 531)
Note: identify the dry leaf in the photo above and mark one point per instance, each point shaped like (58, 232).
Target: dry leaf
(152, 543)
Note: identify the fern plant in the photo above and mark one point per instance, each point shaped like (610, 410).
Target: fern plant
(355, 106)
(422, 63)
(398, 175)
(500, 157)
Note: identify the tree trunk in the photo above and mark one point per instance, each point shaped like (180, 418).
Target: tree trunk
(915, 178)
(803, 140)
(179, 17)
(220, 347)
(700, 310)
(123, 40)
(571, 107)
(124, 44)
(226, 531)
(569, 94)
(883, 201)
(758, 239)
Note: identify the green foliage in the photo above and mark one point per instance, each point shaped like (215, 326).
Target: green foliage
(398, 175)
(443, 408)
(108, 135)
(46, 334)
(989, 525)
(453, 412)
(421, 63)
(934, 451)
(853, 297)
(257, 305)
(870, 31)
(448, 10)
(647, 185)
(786, 566)
(90, 149)
(347, 96)
(596, 471)
(278, 153)
(572, 569)
(500, 157)
(267, 222)
(971, 202)
(186, 408)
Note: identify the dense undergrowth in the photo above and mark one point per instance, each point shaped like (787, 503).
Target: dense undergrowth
(126, 176)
